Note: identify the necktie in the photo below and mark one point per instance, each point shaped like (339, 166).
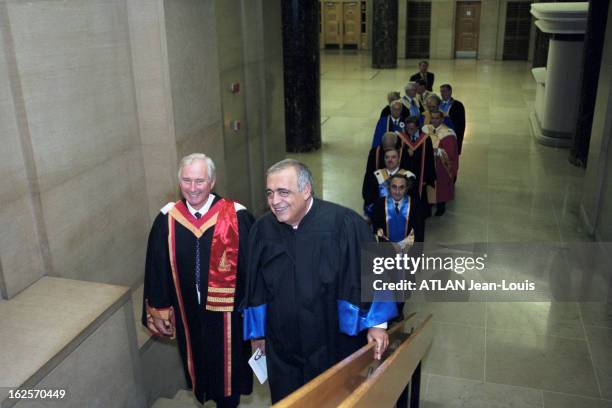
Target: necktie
(396, 207)
(197, 262)
(414, 137)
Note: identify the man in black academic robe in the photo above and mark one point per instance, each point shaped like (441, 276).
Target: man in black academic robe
(400, 207)
(304, 283)
(391, 123)
(455, 111)
(425, 75)
(376, 155)
(420, 160)
(386, 111)
(194, 281)
(399, 218)
(375, 183)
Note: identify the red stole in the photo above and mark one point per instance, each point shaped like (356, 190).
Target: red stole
(221, 274)
(223, 252)
(412, 146)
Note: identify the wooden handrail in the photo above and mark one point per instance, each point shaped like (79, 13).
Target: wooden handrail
(344, 382)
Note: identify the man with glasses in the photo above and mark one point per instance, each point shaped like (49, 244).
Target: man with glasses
(303, 303)
(194, 280)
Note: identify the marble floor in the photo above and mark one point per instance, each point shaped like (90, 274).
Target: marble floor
(510, 189)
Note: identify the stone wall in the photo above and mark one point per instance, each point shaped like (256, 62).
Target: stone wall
(99, 100)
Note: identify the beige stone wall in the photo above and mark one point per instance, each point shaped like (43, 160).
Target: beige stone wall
(442, 40)
(441, 43)
(153, 100)
(490, 24)
(98, 101)
(20, 247)
(80, 149)
(264, 93)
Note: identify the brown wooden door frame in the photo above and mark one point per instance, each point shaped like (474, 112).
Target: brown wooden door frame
(339, 14)
(355, 19)
(461, 49)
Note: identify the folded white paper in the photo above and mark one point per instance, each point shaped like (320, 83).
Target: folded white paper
(258, 364)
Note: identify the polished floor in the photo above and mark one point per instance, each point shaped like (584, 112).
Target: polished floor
(510, 189)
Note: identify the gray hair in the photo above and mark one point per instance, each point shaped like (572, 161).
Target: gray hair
(189, 159)
(391, 96)
(397, 102)
(304, 176)
(434, 97)
(410, 85)
(390, 136)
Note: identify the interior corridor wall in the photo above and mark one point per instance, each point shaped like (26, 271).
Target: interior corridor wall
(98, 101)
(597, 196)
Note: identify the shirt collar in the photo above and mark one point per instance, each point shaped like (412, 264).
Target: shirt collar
(307, 210)
(392, 172)
(204, 209)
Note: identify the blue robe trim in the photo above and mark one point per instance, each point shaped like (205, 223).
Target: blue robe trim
(383, 190)
(385, 124)
(353, 320)
(396, 223)
(254, 322)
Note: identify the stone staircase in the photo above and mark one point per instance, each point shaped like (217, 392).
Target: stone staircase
(185, 399)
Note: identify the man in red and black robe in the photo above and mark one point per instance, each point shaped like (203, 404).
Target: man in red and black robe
(194, 281)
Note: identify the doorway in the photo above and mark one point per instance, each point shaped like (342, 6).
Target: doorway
(467, 29)
(344, 24)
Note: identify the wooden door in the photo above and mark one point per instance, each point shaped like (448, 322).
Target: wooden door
(467, 29)
(351, 19)
(333, 23)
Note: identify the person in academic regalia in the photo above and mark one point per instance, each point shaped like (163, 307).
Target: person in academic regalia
(444, 142)
(433, 104)
(386, 111)
(376, 156)
(390, 123)
(425, 75)
(422, 93)
(410, 100)
(399, 215)
(375, 183)
(303, 299)
(419, 159)
(194, 281)
(455, 110)
(399, 218)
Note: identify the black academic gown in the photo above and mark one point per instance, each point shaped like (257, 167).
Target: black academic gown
(416, 218)
(414, 163)
(456, 113)
(386, 111)
(429, 79)
(298, 281)
(376, 160)
(205, 329)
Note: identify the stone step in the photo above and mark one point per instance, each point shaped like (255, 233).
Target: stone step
(186, 396)
(172, 403)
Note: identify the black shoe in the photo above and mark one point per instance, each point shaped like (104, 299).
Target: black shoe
(440, 209)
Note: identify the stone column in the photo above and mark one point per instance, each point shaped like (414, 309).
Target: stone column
(591, 62)
(384, 34)
(554, 122)
(302, 74)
